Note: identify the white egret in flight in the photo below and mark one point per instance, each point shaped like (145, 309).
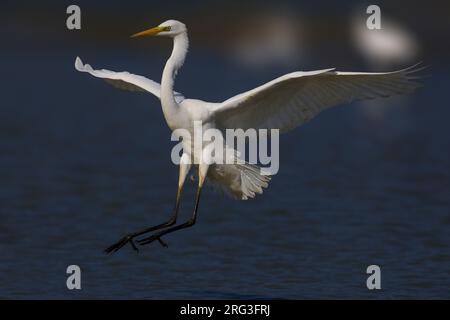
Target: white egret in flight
(284, 103)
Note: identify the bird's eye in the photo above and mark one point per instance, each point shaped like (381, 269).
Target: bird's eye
(167, 28)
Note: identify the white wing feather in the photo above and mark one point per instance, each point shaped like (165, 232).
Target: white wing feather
(125, 80)
(295, 98)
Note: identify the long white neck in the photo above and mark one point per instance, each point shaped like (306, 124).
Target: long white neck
(175, 62)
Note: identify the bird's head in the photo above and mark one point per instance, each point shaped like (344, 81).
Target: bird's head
(169, 28)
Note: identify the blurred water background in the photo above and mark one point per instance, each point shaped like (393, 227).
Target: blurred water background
(361, 184)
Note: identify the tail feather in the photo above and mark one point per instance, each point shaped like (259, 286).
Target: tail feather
(240, 181)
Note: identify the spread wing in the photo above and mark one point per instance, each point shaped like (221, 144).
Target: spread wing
(125, 80)
(295, 98)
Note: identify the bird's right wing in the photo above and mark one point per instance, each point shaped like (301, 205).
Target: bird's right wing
(295, 98)
(125, 80)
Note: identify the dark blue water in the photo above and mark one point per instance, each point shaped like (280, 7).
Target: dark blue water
(82, 164)
(80, 168)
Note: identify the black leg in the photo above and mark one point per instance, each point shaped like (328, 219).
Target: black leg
(130, 237)
(189, 223)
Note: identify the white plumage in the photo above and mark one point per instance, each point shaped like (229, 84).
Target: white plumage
(125, 80)
(295, 98)
(284, 103)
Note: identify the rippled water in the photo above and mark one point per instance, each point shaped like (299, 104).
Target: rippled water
(81, 164)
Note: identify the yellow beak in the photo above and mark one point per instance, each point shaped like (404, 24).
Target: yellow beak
(147, 33)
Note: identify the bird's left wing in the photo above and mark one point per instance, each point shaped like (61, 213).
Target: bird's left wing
(125, 80)
(295, 98)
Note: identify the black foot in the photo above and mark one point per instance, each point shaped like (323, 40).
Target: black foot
(150, 239)
(116, 246)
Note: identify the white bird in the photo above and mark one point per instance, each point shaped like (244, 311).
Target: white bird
(284, 103)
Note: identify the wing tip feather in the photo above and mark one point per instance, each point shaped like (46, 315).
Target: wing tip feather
(80, 66)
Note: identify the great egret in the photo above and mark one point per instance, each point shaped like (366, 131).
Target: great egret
(284, 103)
